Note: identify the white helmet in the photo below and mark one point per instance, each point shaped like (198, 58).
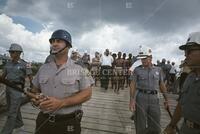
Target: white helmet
(144, 52)
(193, 40)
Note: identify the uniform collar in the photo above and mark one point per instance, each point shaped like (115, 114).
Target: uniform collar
(67, 64)
(19, 61)
(152, 67)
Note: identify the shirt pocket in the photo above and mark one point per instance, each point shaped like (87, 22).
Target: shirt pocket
(184, 95)
(43, 82)
(156, 79)
(70, 86)
(142, 81)
(142, 77)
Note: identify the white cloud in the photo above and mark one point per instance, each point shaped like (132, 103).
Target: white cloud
(114, 37)
(35, 45)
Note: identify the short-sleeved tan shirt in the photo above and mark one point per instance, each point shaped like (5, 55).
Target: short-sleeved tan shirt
(66, 81)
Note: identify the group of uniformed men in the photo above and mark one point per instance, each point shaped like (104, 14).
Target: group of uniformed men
(65, 84)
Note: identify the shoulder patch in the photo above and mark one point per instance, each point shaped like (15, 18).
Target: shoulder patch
(157, 73)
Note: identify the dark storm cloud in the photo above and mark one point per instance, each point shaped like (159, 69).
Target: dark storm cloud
(157, 16)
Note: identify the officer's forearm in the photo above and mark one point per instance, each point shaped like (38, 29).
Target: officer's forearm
(78, 98)
(30, 80)
(132, 90)
(163, 90)
(176, 116)
(165, 96)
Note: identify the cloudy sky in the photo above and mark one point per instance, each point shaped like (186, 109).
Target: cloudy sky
(120, 25)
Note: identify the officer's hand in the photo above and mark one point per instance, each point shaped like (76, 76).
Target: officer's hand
(37, 100)
(51, 104)
(169, 130)
(132, 105)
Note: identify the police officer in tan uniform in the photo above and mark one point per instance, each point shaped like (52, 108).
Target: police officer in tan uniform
(188, 106)
(65, 85)
(146, 80)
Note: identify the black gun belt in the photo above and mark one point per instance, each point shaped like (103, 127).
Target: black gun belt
(148, 91)
(61, 117)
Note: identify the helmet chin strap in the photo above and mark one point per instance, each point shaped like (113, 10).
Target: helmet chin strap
(57, 51)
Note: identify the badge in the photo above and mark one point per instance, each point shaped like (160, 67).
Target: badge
(157, 73)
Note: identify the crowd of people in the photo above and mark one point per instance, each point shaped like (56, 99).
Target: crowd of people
(117, 66)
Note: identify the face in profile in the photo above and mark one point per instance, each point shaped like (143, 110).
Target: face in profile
(192, 56)
(57, 45)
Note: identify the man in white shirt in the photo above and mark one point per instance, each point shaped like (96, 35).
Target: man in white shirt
(106, 64)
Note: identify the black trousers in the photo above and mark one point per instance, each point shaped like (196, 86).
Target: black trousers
(105, 75)
(64, 126)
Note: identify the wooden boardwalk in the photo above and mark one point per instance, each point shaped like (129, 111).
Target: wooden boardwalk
(105, 113)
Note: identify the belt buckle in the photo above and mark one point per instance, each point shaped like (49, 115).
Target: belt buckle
(190, 124)
(52, 118)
